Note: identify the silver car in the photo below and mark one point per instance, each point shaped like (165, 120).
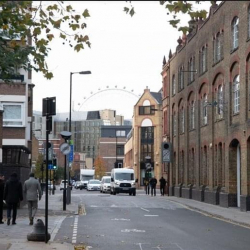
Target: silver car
(105, 184)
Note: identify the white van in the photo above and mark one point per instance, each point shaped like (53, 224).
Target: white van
(122, 181)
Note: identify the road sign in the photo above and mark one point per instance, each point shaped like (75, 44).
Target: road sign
(166, 152)
(65, 148)
(50, 167)
(71, 154)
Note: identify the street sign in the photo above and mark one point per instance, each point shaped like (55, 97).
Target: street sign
(65, 148)
(166, 152)
(50, 167)
(71, 154)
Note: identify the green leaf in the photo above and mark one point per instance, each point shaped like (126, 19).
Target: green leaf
(86, 13)
(49, 75)
(78, 47)
(62, 36)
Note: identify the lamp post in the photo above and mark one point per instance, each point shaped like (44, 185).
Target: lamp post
(70, 97)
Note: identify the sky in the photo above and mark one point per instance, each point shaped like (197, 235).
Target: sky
(125, 57)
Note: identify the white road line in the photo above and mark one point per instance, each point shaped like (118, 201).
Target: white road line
(74, 236)
(144, 209)
(151, 215)
(135, 204)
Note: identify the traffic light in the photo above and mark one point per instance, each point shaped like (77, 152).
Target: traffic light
(166, 152)
(54, 164)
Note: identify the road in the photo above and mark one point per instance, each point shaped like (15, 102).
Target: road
(143, 222)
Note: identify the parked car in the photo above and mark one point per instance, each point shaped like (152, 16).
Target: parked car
(93, 185)
(62, 185)
(105, 184)
(77, 184)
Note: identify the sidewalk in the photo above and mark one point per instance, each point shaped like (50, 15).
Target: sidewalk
(14, 237)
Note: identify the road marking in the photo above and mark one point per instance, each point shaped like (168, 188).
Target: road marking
(151, 215)
(121, 219)
(74, 236)
(144, 209)
(133, 230)
(135, 204)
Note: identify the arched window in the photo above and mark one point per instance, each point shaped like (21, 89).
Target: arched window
(220, 101)
(248, 22)
(173, 85)
(204, 59)
(181, 78)
(218, 47)
(204, 109)
(174, 124)
(235, 33)
(236, 94)
(191, 115)
(182, 128)
(191, 69)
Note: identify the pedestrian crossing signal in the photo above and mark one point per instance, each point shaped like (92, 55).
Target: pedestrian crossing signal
(54, 164)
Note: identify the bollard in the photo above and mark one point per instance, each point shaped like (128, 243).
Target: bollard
(38, 233)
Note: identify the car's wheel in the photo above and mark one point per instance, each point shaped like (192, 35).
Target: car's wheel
(134, 194)
(114, 193)
(130, 193)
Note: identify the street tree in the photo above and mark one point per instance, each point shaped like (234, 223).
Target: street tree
(100, 167)
(39, 167)
(40, 22)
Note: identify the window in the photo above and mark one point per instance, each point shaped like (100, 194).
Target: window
(173, 85)
(147, 143)
(203, 60)
(146, 110)
(204, 108)
(174, 124)
(191, 69)
(120, 133)
(120, 150)
(236, 94)
(220, 101)
(248, 22)
(13, 115)
(182, 121)
(235, 33)
(181, 78)
(191, 115)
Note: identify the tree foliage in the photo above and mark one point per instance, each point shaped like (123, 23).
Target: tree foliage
(174, 8)
(100, 167)
(38, 169)
(40, 22)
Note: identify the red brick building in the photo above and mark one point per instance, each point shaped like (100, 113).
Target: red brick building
(206, 108)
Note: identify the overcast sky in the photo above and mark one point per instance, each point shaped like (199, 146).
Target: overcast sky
(125, 52)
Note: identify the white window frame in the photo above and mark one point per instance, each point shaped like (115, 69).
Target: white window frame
(22, 119)
(235, 32)
(218, 47)
(205, 109)
(220, 101)
(236, 94)
(173, 85)
(192, 115)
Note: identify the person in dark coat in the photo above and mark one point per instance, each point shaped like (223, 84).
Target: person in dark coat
(13, 194)
(153, 183)
(1, 197)
(162, 185)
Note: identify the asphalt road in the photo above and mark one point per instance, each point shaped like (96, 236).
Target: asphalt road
(124, 222)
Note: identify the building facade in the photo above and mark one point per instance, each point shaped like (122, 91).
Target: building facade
(111, 145)
(206, 108)
(145, 139)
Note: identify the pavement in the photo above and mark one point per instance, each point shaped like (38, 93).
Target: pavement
(14, 237)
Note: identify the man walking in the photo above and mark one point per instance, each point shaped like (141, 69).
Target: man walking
(32, 190)
(13, 194)
(1, 197)
(162, 185)
(146, 183)
(153, 183)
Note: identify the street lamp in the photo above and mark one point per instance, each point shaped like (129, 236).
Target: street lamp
(70, 96)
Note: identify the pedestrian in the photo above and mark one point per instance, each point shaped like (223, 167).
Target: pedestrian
(33, 192)
(1, 197)
(162, 186)
(146, 183)
(13, 194)
(153, 183)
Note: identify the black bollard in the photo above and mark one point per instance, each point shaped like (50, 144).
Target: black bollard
(38, 233)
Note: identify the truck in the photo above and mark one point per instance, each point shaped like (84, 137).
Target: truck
(85, 176)
(123, 181)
